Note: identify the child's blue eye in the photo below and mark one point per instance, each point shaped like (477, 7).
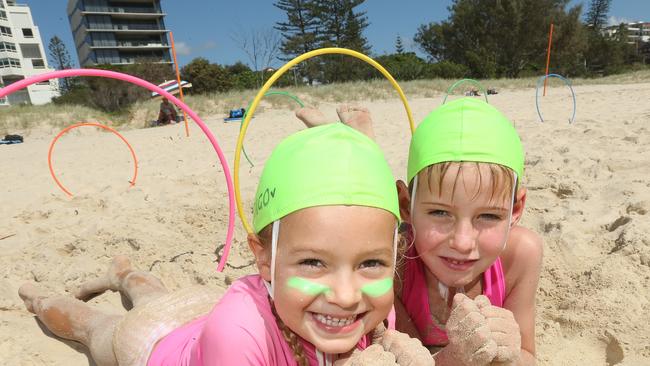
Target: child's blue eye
(439, 213)
(373, 263)
(311, 262)
(490, 217)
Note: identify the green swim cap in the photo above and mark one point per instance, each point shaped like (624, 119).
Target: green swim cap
(320, 166)
(465, 130)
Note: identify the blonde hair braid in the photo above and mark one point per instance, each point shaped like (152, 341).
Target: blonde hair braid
(291, 338)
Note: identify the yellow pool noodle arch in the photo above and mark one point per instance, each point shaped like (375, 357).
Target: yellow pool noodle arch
(276, 76)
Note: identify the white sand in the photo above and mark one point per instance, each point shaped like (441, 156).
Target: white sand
(589, 197)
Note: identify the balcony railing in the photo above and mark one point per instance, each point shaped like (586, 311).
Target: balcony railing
(136, 27)
(126, 10)
(125, 27)
(129, 61)
(129, 44)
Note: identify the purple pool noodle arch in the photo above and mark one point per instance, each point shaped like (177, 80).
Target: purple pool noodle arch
(9, 89)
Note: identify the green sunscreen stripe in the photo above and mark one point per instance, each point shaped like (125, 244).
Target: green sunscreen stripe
(378, 288)
(307, 287)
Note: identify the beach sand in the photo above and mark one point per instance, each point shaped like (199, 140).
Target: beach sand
(588, 196)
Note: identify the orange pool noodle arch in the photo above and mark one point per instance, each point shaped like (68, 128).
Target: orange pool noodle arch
(65, 130)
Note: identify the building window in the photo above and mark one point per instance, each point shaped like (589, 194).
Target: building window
(30, 50)
(5, 31)
(7, 47)
(3, 15)
(28, 33)
(9, 62)
(38, 63)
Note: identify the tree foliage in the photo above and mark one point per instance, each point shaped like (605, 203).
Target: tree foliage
(596, 16)
(299, 34)
(313, 24)
(399, 45)
(114, 96)
(60, 59)
(495, 38)
(206, 77)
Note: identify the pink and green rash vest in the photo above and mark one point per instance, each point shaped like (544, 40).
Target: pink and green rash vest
(416, 300)
(240, 330)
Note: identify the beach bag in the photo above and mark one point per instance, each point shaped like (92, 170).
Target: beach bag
(237, 113)
(13, 138)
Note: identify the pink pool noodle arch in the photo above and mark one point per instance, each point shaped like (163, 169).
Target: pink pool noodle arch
(9, 89)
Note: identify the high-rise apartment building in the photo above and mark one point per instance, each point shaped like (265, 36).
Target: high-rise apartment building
(118, 32)
(22, 55)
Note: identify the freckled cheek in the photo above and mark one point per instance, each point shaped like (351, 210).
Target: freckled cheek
(491, 243)
(385, 302)
(429, 239)
(293, 299)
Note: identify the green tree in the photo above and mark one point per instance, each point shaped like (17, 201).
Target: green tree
(431, 37)
(242, 75)
(399, 46)
(342, 26)
(404, 66)
(299, 32)
(206, 77)
(596, 16)
(606, 54)
(569, 46)
(494, 38)
(60, 59)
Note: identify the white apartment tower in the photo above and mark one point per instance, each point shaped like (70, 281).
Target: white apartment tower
(22, 55)
(118, 32)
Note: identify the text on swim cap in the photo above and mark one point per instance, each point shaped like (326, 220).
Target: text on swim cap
(264, 198)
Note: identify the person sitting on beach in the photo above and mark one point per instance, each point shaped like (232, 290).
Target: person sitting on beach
(460, 234)
(325, 244)
(167, 113)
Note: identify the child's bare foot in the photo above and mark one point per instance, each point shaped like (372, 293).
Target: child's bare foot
(312, 117)
(357, 118)
(118, 269)
(31, 295)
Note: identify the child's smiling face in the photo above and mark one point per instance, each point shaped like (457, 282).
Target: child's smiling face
(342, 248)
(461, 220)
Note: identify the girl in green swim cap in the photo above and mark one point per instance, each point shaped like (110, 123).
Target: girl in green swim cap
(325, 242)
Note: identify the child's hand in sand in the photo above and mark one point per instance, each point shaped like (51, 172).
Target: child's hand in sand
(373, 355)
(470, 341)
(407, 350)
(504, 330)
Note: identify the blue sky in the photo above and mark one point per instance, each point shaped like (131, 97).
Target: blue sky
(205, 27)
